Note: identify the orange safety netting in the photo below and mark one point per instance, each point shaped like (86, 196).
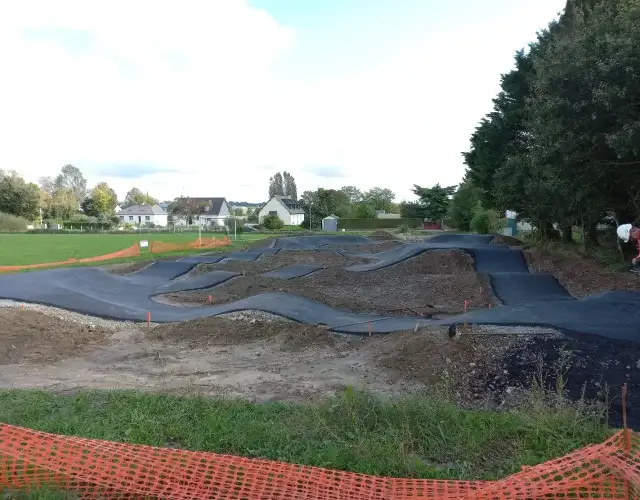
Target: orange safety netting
(199, 243)
(132, 251)
(30, 459)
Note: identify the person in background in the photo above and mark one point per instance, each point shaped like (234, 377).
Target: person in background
(628, 232)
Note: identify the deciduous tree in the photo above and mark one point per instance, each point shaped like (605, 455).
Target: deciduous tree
(136, 196)
(104, 198)
(434, 201)
(71, 178)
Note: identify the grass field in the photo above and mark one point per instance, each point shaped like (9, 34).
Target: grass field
(20, 249)
(417, 436)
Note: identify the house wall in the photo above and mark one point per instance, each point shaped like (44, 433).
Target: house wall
(136, 219)
(274, 205)
(297, 219)
(206, 218)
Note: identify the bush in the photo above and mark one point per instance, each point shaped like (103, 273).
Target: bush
(12, 223)
(359, 224)
(272, 222)
(402, 229)
(481, 222)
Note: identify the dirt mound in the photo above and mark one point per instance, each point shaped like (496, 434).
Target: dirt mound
(579, 274)
(440, 279)
(126, 268)
(382, 236)
(204, 332)
(501, 239)
(33, 337)
(284, 258)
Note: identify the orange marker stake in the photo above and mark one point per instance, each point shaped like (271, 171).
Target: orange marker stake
(148, 320)
(369, 328)
(466, 304)
(210, 299)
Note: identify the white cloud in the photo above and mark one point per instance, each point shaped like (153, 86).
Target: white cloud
(157, 85)
(193, 87)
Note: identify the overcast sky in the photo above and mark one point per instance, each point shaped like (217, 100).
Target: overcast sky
(212, 97)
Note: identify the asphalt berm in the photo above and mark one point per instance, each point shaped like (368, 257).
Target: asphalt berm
(529, 299)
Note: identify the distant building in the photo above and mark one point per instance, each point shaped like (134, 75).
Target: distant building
(288, 210)
(143, 214)
(214, 213)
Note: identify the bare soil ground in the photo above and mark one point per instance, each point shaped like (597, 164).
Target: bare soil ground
(579, 274)
(434, 282)
(258, 359)
(32, 337)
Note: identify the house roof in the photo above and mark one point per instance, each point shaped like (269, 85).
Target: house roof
(142, 210)
(292, 206)
(214, 204)
(331, 217)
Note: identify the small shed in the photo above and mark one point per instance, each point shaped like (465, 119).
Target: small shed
(330, 223)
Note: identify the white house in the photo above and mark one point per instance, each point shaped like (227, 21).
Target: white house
(290, 211)
(214, 213)
(143, 214)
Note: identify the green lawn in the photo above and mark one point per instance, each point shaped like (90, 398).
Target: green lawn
(418, 436)
(20, 249)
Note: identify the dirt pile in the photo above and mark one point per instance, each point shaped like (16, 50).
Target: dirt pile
(382, 235)
(579, 274)
(500, 239)
(440, 279)
(282, 259)
(32, 337)
(204, 332)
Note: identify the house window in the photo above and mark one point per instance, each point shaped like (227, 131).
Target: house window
(273, 212)
(131, 217)
(147, 217)
(122, 217)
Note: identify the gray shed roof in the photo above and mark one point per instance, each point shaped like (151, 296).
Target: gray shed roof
(142, 210)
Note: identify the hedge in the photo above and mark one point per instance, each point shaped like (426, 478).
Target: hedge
(377, 223)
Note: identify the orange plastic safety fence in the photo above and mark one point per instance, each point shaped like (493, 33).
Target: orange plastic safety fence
(132, 251)
(93, 468)
(162, 247)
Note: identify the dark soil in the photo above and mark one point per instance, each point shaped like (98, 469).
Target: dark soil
(282, 259)
(32, 337)
(382, 236)
(579, 274)
(500, 239)
(590, 367)
(435, 281)
(126, 268)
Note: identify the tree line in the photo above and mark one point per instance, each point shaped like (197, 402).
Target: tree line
(561, 146)
(63, 198)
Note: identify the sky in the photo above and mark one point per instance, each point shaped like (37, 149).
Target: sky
(212, 97)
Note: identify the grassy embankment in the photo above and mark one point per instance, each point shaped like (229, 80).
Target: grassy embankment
(415, 436)
(21, 249)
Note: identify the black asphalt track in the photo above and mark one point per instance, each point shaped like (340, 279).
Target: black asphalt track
(529, 299)
(292, 271)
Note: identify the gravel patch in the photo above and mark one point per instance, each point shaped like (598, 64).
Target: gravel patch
(252, 316)
(65, 315)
